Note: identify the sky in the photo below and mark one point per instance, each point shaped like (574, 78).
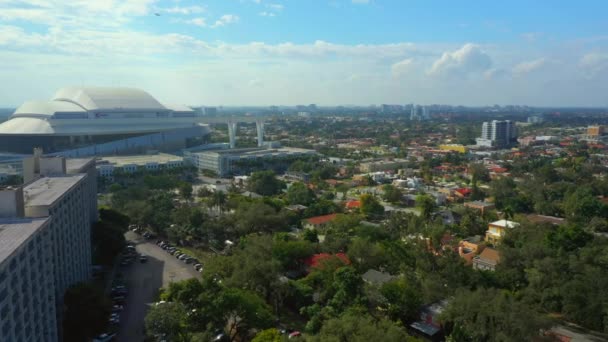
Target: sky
(327, 52)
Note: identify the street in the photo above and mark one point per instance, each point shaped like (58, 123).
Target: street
(143, 281)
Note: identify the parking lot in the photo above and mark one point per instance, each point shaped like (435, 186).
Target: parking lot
(142, 281)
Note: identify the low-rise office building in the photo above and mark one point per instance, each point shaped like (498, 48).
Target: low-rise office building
(227, 162)
(383, 165)
(108, 166)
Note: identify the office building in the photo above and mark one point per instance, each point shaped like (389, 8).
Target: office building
(498, 134)
(107, 166)
(241, 161)
(419, 113)
(28, 310)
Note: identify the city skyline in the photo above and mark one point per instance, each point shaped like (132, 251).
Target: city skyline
(257, 52)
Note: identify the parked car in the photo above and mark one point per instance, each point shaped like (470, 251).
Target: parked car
(295, 334)
(143, 258)
(183, 256)
(106, 337)
(198, 267)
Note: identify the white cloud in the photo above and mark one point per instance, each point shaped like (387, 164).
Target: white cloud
(529, 66)
(402, 68)
(225, 20)
(276, 7)
(469, 58)
(364, 2)
(267, 14)
(184, 10)
(594, 64)
(201, 22)
(532, 36)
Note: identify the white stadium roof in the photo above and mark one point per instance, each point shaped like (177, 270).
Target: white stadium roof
(99, 98)
(95, 110)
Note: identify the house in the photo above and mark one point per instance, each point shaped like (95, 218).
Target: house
(298, 208)
(487, 260)
(352, 205)
(470, 247)
(557, 221)
(462, 192)
(317, 260)
(497, 229)
(481, 206)
(374, 277)
(429, 325)
(318, 222)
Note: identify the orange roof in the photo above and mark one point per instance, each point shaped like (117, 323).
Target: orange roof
(353, 204)
(321, 219)
(317, 259)
(490, 254)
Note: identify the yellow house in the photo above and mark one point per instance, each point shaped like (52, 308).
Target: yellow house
(454, 147)
(496, 230)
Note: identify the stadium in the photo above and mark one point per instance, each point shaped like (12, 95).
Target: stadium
(85, 121)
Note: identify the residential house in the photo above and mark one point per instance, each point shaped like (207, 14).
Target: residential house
(481, 206)
(377, 278)
(497, 229)
(487, 260)
(429, 325)
(318, 222)
(470, 247)
(317, 260)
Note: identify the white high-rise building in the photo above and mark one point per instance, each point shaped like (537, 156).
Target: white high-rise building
(27, 291)
(419, 113)
(498, 134)
(45, 246)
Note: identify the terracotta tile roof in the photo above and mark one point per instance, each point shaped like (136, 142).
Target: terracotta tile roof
(321, 219)
(317, 259)
(490, 255)
(353, 204)
(464, 191)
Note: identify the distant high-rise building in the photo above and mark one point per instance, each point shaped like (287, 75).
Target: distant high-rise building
(419, 113)
(497, 134)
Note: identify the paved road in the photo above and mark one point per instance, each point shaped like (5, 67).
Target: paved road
(143, 282)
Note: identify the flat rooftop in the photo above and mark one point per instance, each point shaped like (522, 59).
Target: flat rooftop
(260, 151)
(14, 232)
(75, 165)
(47, 190)
(142, 159)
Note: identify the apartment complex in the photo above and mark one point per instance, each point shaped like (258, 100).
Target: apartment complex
(497, 134)
(45, 245)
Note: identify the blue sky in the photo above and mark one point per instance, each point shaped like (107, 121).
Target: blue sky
(259, 52)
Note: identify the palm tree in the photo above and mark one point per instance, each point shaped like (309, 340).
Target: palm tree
(219, 200)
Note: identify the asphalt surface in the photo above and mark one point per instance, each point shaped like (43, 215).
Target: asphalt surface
(143, 281)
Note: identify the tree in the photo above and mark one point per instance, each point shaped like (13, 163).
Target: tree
(107, 240)
(501, 317)
(86, 312)
(243, 310)
(299, 193)
(403, 300)
(391, 193)
(581, 205)
(219, 200)
(185, 190)
(360, 327)
(265, 183)
(268, 335)
(370, 207)
(168, 320)
(426, 204)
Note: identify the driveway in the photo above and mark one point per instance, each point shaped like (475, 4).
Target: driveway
(143, 282)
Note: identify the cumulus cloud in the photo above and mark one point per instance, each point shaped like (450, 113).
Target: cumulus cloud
(594, 64)
(469, 58)
(529, 66)
(226, 19)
